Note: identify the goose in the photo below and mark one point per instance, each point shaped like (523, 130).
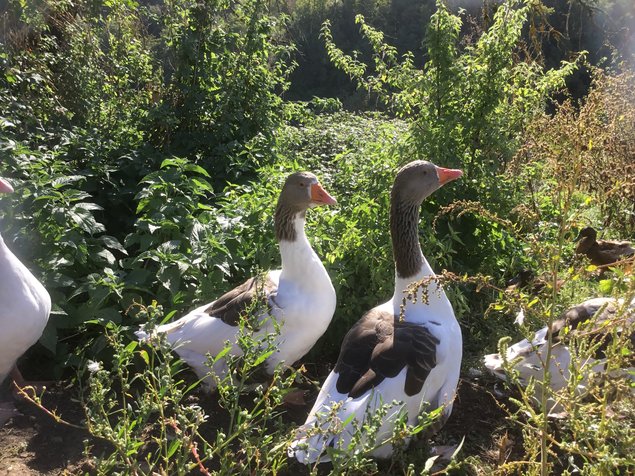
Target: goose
(602, 252)
(529, 356)
(299, 297)
(25, 306)
(410, 356)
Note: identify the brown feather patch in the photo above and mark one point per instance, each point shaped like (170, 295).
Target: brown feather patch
(380, 347)
(233, 304)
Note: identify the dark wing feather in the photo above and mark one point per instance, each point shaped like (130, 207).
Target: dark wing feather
(422, 357)
(618, 247)
(354, 358)
(575, 316)
(379, 347)
(233, 304)
(598, 310)
(604, 253)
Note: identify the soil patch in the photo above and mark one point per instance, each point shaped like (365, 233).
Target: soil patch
(34, 444)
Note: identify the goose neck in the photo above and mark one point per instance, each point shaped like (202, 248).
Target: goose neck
(404, 231)
(289, 223)
(299, 261)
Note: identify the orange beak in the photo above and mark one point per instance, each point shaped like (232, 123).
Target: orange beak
(447, 175)
(321, 196)
(5, 187)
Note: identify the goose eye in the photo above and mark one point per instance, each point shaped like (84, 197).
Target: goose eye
(302, 184)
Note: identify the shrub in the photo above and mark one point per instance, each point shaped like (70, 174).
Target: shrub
(113, 120)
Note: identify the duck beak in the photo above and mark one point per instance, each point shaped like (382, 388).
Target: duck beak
(5, 187)
(447, 175)
(579, 237)
(319, 196)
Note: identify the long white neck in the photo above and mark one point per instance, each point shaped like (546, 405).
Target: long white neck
(429, 301)
(401, 283)
(299, 262)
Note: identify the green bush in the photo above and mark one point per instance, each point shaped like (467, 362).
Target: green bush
(123, 122)
(148, 142)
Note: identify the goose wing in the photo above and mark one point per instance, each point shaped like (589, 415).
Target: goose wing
(379, 347)
(233, 304)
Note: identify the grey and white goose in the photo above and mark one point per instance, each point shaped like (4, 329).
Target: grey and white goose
(530, 356)
(300, 296)
(413, 359)
(24, 311)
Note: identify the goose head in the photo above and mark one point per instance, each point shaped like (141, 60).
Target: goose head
(301, 191)
(413, 183)
(419, 179)
(586, 238)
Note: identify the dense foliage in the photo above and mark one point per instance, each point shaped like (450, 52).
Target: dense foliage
(147, 142)
(114, 118)
(557, 31)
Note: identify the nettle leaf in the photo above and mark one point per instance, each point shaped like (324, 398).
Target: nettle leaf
(51, 195)
(109, 314)
(76, 195)
(183, 266)
(224, 267)
(198, 230)
(169, 246)
(107, 256)
(112, 243)
(147, 226)
(172, 162)
(143, 203)
(198, 169)
(60, 182)
(88, 206)
(202, 185)
(145, 242)
(138, 277)
(61, 280)
(85, 220)
(170, 278)
(59, 261)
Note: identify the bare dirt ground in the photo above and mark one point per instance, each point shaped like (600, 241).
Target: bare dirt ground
(34, 444)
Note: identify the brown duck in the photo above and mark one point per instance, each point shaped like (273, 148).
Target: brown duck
(602, 252)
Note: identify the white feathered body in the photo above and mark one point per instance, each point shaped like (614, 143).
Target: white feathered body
(24, 309)
(532, 356)
(302, 306)
(438, 389)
